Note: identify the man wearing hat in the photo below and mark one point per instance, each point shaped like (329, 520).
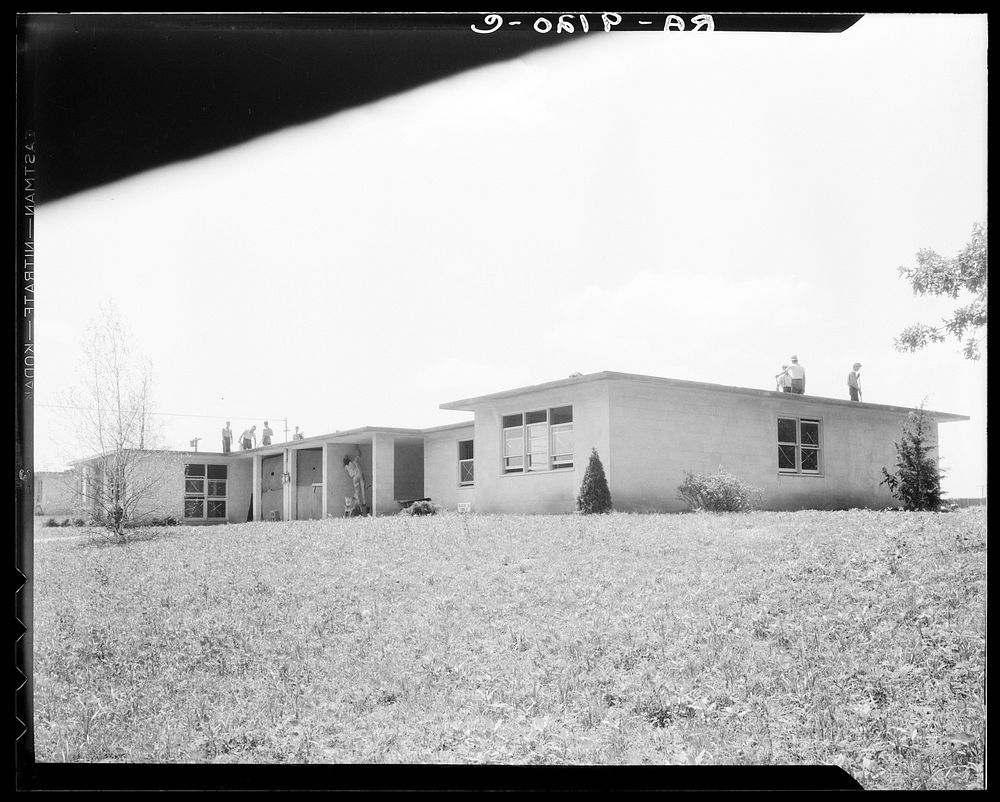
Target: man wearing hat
(854, 382)
(797, 373)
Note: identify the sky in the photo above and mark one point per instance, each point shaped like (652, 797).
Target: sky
(698, 207)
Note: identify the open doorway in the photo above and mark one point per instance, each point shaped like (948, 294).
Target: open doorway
(309, 484)
(271, 495)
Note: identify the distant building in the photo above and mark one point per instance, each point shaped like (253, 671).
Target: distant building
(54, 492)
(526, 449)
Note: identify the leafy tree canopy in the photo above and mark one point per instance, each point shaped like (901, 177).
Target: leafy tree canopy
(964, 273)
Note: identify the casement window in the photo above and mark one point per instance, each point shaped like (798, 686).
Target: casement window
(466, 466)
(799, 445)
(205, 491)
(541, 440)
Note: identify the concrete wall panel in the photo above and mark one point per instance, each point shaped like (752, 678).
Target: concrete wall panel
(441, 468)
(660, 433)
(541, 492)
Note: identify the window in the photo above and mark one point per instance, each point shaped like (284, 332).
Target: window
(798, 445)
(513, 443)
(466, 467)
(541, 440)
(205, 491)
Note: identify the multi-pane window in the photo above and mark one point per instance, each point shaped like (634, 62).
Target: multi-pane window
(205, 491)
(798, 445)
(513, 443)
(561, 433)
(540, 440)
(466, 466)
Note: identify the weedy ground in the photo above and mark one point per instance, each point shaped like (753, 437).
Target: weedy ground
(854, 638)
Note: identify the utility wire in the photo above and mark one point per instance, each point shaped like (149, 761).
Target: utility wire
(171, 414)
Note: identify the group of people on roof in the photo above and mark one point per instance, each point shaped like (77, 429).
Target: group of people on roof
(792, 379)
(248, 438)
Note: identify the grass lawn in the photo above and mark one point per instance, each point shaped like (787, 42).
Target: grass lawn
(855, 638)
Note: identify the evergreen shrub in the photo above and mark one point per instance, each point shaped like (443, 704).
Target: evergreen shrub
(595, 496)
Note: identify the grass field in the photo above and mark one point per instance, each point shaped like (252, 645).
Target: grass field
(854, 638)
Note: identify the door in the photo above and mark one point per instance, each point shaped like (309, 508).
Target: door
(309, 484)
(271, 495)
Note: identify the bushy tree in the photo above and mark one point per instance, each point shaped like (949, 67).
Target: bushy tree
(595, 496)
(935, 275)
(916, 482)
(718, 492)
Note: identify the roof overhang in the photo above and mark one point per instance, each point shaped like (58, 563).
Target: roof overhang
(470, 404)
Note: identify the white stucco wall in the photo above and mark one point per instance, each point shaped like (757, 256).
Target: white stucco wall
(659, 432)
(441, 467)
(55, 492)
(539, 492)
(161, 475)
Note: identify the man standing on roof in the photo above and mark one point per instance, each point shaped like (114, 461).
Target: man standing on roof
(265, 436)
(227, 438)
(797, 373)
(249, 438)
(854, 382)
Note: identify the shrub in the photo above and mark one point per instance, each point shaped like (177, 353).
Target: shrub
(420, 508)
(79, 522)
(167, 520)
(66, 522)
(595, 497)
(719, 492)
(916, 481)
(51, 522)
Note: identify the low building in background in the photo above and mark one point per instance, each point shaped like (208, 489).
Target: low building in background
(55, 492)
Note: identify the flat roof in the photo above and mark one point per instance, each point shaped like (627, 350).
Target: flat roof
(362, 432)
(468, 404)
(448, 426)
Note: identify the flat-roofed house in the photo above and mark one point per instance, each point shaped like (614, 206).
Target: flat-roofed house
(526, 450)
(532, 444)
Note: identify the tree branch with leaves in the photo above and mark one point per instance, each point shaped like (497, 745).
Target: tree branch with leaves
(964, 274)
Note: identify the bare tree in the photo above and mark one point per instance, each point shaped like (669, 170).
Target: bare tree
(113, 424)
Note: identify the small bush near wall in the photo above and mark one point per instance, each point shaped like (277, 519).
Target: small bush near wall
(420, 508)
(169, 520)
(719, 492)
(595, 496)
